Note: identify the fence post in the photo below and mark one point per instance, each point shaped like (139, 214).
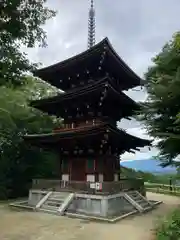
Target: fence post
(170, 184)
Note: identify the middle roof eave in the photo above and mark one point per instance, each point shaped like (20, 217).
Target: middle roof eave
(84, 91)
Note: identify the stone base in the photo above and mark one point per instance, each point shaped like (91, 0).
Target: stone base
(101, 206)
(96, 207)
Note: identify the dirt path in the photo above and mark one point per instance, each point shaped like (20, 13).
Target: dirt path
(40, 226)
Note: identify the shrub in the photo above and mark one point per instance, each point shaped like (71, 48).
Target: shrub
(170, 228)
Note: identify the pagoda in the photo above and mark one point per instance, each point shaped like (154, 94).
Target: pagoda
(89, 143)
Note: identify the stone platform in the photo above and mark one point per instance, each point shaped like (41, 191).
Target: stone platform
(108, 208)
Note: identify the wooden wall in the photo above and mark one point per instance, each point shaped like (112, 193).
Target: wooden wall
(79, 167)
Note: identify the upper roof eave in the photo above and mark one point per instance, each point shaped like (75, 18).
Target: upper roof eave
(122, 63)
(64, 63)
(71, 60)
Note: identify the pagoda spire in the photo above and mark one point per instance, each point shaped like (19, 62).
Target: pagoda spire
(91, 26)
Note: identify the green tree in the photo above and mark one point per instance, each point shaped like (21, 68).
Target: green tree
(20, 24)
(161, 109)
(20, 163)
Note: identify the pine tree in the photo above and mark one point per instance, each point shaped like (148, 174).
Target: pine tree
(161, 111)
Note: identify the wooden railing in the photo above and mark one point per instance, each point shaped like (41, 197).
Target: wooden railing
(163, 188)
(80, 127)
(105, 188)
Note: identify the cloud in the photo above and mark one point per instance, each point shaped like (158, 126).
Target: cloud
(137, 30)
(145, 152)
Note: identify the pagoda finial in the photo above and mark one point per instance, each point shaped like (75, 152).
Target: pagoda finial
(91, 26)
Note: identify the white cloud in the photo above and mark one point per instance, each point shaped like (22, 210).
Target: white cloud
(145, 152)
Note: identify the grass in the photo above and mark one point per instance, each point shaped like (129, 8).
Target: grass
(169, 229)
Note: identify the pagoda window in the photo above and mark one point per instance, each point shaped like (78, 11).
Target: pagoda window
(65, 165)
(90, 113)
(90, 164)
(72, 125)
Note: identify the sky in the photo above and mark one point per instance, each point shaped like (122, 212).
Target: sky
(137, 30)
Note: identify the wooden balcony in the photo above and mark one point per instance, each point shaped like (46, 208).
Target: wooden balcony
(106, 188)
(81, 126)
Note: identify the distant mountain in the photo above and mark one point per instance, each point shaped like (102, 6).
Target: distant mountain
(148, 165)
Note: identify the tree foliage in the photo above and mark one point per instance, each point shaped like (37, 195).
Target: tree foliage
(20, 163)
(147, 176)
(20, 24)
(162, 107)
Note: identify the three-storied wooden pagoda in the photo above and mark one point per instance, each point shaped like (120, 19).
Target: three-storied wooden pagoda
(89, 143)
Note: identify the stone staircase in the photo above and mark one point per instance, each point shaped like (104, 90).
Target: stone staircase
(56, 202)
(138, 201)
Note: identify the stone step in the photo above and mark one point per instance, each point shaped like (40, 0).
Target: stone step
(56, 199)
(144, 204)
(147, 208)
(140, 200)
(48, 211)
(135, 198)
(50, 203)
(59, 194)
(134, 195)
(49, 207)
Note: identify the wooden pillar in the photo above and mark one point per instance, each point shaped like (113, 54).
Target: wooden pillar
(96, 171)
(90, 169)
(65, 169)
(70, 169)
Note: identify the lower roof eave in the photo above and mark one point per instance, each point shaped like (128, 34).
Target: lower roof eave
(116, 135)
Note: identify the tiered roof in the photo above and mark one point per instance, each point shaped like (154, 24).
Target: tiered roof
(119, 140)
(116, 104)
(95, 62)
(94, 81)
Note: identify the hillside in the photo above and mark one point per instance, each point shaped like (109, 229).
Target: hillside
(148, 165)
(147, 176)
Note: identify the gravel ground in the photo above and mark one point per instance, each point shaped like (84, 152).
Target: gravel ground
(22, 225)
